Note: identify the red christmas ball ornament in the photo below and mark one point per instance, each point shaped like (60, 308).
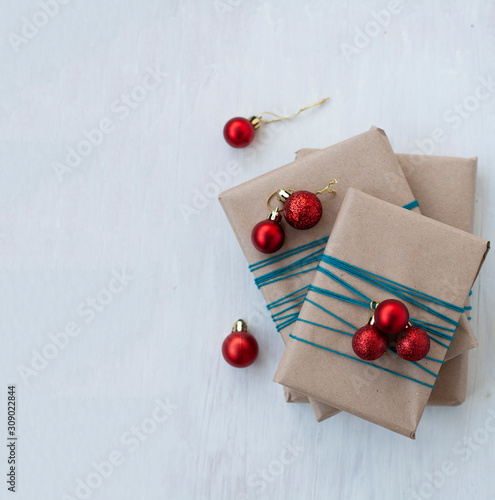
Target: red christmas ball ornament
(239, 132)
(413, 344)
(268, 236)
(391, 316)
(240, 348)
(368, 343)
(303, 209)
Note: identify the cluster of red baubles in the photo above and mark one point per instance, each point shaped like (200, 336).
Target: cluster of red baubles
(302, 210)
(389, 324)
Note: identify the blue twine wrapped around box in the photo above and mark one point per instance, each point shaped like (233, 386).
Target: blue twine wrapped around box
(284, 317)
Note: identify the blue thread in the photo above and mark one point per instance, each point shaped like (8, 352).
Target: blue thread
(411, 205)
(287, 323)
(282, 300)
(404, 292)
(393, 349)
(435, 359)
(287, 309)
(286, 273)
(287, 254)
(281, 273)
(416, 322)
(326, 327)
(393, 286)
(332, 314)
(361, 361)
(429, 327)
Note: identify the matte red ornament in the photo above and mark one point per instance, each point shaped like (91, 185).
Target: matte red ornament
(240, 348)
(239, 132)
(368, 343)
(303, 210)
(413, 344)
(268, 236)
(391, 316)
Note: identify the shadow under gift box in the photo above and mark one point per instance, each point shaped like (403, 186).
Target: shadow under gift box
(437, 260)
(445, 189)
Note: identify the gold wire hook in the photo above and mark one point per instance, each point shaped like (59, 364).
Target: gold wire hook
(288, 117)
(326, 188)
(268, 201)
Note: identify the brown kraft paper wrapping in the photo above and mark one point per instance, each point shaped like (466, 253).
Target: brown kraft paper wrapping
(402, 246)
(445, 189)
(365, 161)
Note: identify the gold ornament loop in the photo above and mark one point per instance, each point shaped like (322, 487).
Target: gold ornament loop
(268, 201)
(287, 117)
(278, 194)
(374, 305)
(326, 188)
(283, 194)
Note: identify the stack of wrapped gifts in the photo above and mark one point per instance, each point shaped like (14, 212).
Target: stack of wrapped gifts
(368, 282)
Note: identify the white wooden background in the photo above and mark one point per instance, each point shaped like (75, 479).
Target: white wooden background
(144, 200)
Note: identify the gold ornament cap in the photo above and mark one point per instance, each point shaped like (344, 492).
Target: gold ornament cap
(275, 215)
(255, 122)
(283, 194)
(239, 326)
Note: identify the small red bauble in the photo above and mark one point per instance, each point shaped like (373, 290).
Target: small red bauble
(413, 344)
(239, 132)
(368, 343)
(302, 210)
(391, 316)
(240, 348)
(268, 236)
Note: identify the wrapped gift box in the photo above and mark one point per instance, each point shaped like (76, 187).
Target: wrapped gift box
(445, 189)
(396, 244)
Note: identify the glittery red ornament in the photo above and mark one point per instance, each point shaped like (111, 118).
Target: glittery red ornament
(391, 316)
(240, 348)
(302, 210)
(239, 132)
(268, 236)
(413, 344)
(368, 343)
